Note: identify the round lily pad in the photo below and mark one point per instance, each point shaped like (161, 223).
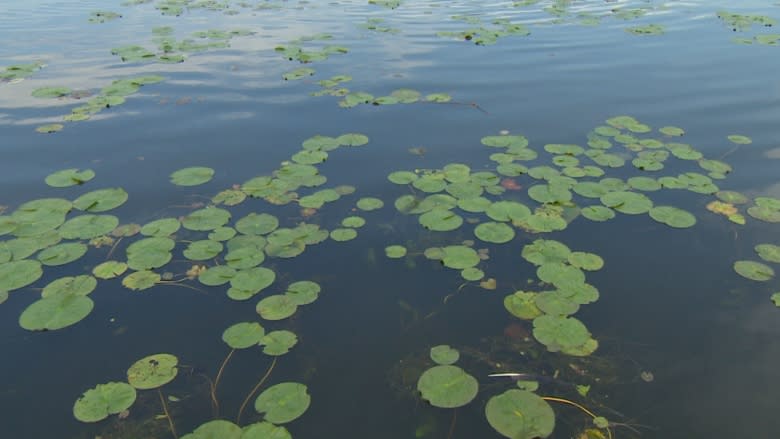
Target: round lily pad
(109, 269)
(276, 307)
(519, 414)
(545, 251)
(369, 203)
(103, 400)
(555, 303)
(586, 261)
(283, 402)
(245, 257)
(558, 332)
(101, 200)
(447, 386)
(50, 128)
(278, 342)
(508, 211)
(264, 430)
(498, 233)
(62, 254)
(352, 139)
(522, 305)
(218, 275)
(253, 279)
(192, 176)
(88, 226)
(161, 227)
(444, 354)
(768, 252)
(75, 285)
(141, 280)
(395, 251)
(257, 224)
(203, 250)
(754, 270)
(243, 335)
(149, 253)
(740, 139)
(597, 213)
(19, 274)
(353, 221)
(218, 428)
(472, 274)
(732, 197)
(206, 219)
(55, 312)
(153, 371)
(672, 216)
(627, 202)
(303, 292)
(343, 234)
(440, 220)
(402, 177)
(459, 257)
(69, 177)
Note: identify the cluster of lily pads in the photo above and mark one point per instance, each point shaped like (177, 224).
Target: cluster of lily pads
(169, 50)
(562, 13)
(484, 35)
(744, 22)
(376, 24)
(18, 72)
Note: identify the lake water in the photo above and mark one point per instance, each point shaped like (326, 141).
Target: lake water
(686, 346)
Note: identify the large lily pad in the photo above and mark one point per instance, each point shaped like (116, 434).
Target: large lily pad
(754, 270)
(101, 200)
(75, 285)
(55, 312)
(519, 414)
(303, 292)
(447, 386)
(19, 274)
(69, 177)
(62, 254)
(88, 226)
(141, 280)
(203, 250)
(153, 371)
(498, 233)
(103, 400)
(257, 224)
(277, 307)
(459, 257)
(109, 269)
(149, 253)
(243, 335)
(545, 251)
(283, 402)
(206, 219)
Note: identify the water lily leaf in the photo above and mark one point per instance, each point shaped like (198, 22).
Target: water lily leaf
(141, 280)
(764, 213)
(768, 252)
(320, 143)
(69, 177)
(627, 202)
(298, 74)
(149, 253)
(459, 257)
(597, 213)
(74, 285)
(369, 203)
(557, 332)
(217, 428)
(62, 254)
(505, 141)
(310, 157)
(243, 335)
(229, 197)
(352, 139)
(646, 184)
(395, 251)
(109, 269)
(88, 226)
(520, 414)
(51, 92)
(55, 312)
(103, 400)
(283, 402)
(545, 251)
(222, 234)
(206, 219)
(257, 224)
(342, 235)
(522, 305)
(774, 297)
(219, 275)
(438, 97)
(544, 193)
(353, 222)
(430, 183)
(560, 274)
(303, 292)
(50, 128)
(405, 95)
(498, 233)
(276, 307)
(402, 177)
(672, 131)
(754, 270)
(672, 216)
(474, 205)
(278, 343)
(153, 371)
(264, 430)
(447, 386)
(192, 176)
(586, 261)
(444, 354)
(555, 303)
(162, 227)
(472, 274)
(203, 250)
(508, 211)
(740, 139)
(440, 220)
(101, 200)
(732, 197)
(253, 280)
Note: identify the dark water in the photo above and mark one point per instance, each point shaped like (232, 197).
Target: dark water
(670, 302)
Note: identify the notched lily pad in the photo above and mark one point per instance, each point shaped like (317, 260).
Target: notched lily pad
(104, 400)
(447, 386)
(153, 371)
(283, 402)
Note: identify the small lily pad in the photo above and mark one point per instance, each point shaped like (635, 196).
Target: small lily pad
(243, 335)
(203, 250)
(460, 257)
(192, 176)
(440, 220)
(673, 216)
(395, 251)
(447, 386)
(444, 354)
(740, 139)
(104, 400)
(141, 280)
(206, 219)
(278, 343)
(50, 128)
(153, 371)
(370, 203)
(283, 402)
(161, 227)
(352, 139)
(303, 292)
(217, 428)
(343, 234)
(70, 177)
(498, 233)
(276, 307)
(109, 269)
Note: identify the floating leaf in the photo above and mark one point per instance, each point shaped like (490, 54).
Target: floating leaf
(103, 400)
(192, 176)
(672, 131)
(519, 414)
(343, 234)
(498, 233)
(460, 257)
(545, 251)
(264, 430)
(278, 342)
(162, 227)
(153, 371)
(55, 312)
(369, 203)
(203, 250)
(444, 354)
(627, 202)
(62, 254)
(447, 386)
(754, 270)
(522, 305)
(243, 335)
(141, 280)
(768, 252)
(740, 139)
(395, 251)
(276, 307)
(88, 226)
(672, 216)
(559, 333)
(109, 269)
(218, 275)
(50, 128)
(217, 428)
(149, 253)
(283, 402)
(69, 177)
(257, 224)
(508, 211)
(352, 139)
(206, 219)
(303, 292)
(19, 274)
(101, 200)
(440, 220)
(586, 261)
(597, 213)
(472, 274)
(70, 285)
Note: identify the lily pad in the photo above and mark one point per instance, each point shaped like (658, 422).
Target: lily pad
(370, 203)
(254, 279)
(70, 285)
(395, 251)
(88, 226)
(218, 275)
(153, 371)
(50, 128)
(768, 252)
(522, 305)
(673, 216)
(257, 224)
(519, 414)
(19, 274)
(597, 213)
(278, 342)
(740, 139)
(206, 219)
(218, 428)
(109, 269)
(162, 227)
(558, 332)
(447, 386)
(754, 270)
(149, 253)
(545, 251)
(104, 400)
(586, 261)
(508, 211)
(55, 312)
(264, 430)
(141, 280)
(627, 202)
(70, 177)
(203, 250)
(460, 257)
(303, 292)
(444, 354)
(472, 274)
(283, 402)
(352, 139)
(243, 335)
(276, 307)
(440, 220)
(101, 200)
(343, 234)
(192, 176)
(498, 233)
(62, 254)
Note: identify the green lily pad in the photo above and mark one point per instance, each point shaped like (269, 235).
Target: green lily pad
(278, 343)
(508, 211)
(395, 251)
(51, 92)
(69, 177)
(440, 220)
(732, 197)
(109, 269)
(217, 428)
(768, 252)
(353, 222)
(19, 274)
(219, 275)
(560, 274)
(472, 274)
(141, 280)
(320, 143)
(460, 257)
(153, 371)
(264, 430)
(522, 305)
(402, 177)
(586, 261)
(370, 203)
(50, 128)
(558, 333)
(283, 402)
(310, 157)
(754, 270)
(597, 213)
(343, 234)
(101, 200)
(774, 297)
(192, 176)
(104, 400)
(276, 307)
(498, 233)
(88, 226)
(243, 335)
(555, 303)
(352, 139)
(62, 254)
(474, 205)
(447, 386)
(627, 202)
(545, 251)
(162, 227)
(740, 139)
(253, 280)
(303, 292)
(74, 285)
(646, 184)
(149, 253)
(444, 354)
(673, 216)
(206, 219)
(55, 312)
(222, 234)
(229, 197)
(672, 131)
(203, 250)
(520, 414)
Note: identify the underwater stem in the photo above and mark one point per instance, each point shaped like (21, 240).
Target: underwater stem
(452, 424)
(249, 396)
(214, 401)
(167, 415)
(113, 247)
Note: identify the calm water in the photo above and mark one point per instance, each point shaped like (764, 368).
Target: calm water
(670, 301)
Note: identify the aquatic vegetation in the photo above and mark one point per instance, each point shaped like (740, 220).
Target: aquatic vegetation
(103, 16)
(19, 72)
(649, 29)
(104, 400)
(520, 414)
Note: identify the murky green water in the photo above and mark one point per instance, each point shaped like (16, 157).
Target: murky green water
(686, 345)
